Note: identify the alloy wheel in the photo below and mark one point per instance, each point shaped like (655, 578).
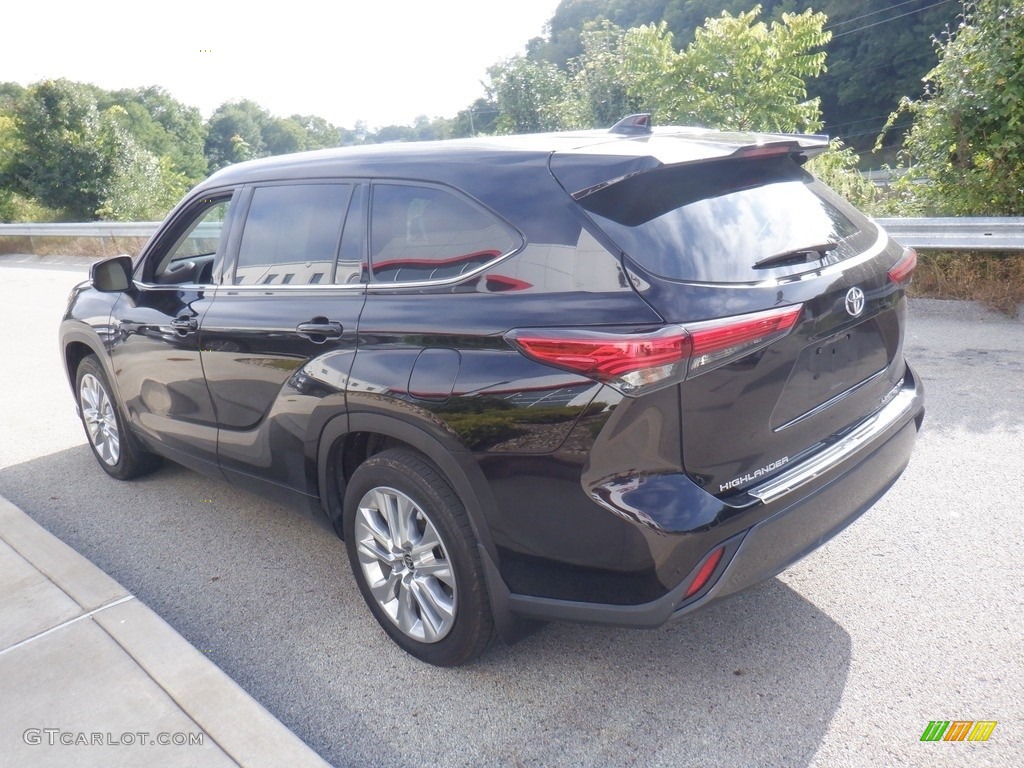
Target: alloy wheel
(100, 419)
(405, 563)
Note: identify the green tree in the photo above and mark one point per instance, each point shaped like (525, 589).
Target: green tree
(69, 164)
(571, 18)
(143, 186)
(11, 94)
(838, 168)
(282, 135)
(10, 148)
(478, 118)
(77, 161)
(532, 97)
(243, 130)
(320, 134)
(765, 66)
(436, 129)
(599, 78)
(878, 52)
(389, 133)
(235, 133)
(164, 126)
(967, 140)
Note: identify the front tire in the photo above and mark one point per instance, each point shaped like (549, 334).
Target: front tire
(414, 557)
(114, 446)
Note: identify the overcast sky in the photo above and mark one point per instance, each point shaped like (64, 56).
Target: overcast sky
(381, 61)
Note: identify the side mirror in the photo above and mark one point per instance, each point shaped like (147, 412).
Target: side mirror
(112, 275)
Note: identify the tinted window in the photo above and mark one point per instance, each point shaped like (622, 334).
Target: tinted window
(190, 258)
(714, 221)
(426, 233)
(291, 234)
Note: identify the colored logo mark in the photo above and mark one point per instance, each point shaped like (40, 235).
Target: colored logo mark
(958, 730)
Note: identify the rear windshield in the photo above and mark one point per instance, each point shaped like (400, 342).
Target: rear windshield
(713, 222)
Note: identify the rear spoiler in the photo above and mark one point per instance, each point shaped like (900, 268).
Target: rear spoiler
(803, 144)
(588, 168)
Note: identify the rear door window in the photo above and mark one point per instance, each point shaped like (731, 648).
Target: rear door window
(420, 233)
(714, 222)
(291, 234)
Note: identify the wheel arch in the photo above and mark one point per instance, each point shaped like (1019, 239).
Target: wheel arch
(74, 353)
(456, 464)
(76, 345)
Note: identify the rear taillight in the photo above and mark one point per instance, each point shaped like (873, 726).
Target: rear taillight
(903, 270)
(717, 342)
(635, 363)
(631, 362)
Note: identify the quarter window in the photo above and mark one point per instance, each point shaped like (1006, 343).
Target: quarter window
(426, 233)
(291, 235)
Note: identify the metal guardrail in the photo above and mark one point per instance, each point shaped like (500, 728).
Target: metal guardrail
(104, 231)
(89, 229)
(966, 233)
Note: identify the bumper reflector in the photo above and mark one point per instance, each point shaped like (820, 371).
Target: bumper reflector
(705, 572)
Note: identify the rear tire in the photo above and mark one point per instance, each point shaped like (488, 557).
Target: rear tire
(415, 559)
(114, 446)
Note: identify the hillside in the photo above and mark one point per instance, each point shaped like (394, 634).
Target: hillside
(879, 52)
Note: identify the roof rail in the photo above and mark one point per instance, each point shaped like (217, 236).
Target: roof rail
(633, 125)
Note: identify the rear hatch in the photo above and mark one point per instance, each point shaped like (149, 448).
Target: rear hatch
(711, 245)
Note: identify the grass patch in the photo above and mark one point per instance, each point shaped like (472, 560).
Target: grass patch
(995, 279)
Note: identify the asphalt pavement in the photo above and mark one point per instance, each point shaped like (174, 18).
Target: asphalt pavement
(914, 614)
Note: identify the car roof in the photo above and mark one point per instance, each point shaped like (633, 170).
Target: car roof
(663, 145)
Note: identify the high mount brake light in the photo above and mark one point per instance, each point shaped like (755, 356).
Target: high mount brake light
(902, 271)
(635, 363)
(766, 150)
(802, 147)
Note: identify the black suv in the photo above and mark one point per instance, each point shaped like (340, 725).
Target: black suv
(605, 376)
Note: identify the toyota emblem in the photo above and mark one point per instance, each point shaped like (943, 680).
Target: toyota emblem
(855, 301)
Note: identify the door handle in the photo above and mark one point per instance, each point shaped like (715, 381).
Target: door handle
(318, 330)
(184, 325)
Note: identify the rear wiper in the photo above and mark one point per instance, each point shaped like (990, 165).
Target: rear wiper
(797, 255)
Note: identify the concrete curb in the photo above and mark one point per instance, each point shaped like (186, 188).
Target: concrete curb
(78, 653)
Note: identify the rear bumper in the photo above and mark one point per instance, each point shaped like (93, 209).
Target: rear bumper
(797, 512)
(778, 542)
